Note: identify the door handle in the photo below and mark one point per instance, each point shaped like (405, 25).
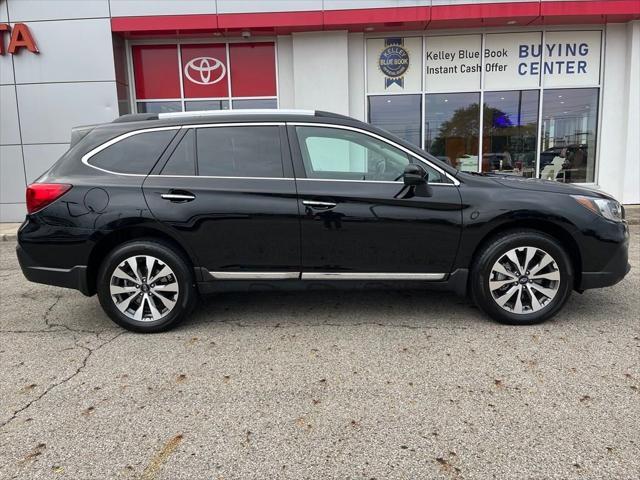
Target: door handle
(178, 197)
(318, 205)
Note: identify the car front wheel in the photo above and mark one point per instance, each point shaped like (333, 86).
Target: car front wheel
(521, 277)
(145, 286)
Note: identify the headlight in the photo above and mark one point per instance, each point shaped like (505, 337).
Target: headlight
(609, 209)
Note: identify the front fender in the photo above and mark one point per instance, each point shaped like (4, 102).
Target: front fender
(487, 212)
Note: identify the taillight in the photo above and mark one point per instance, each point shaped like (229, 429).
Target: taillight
(39, 195)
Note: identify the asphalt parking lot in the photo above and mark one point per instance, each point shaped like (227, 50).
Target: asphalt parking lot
(386, 385)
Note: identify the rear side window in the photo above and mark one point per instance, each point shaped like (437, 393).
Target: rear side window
(239, 151)
(136, 154)
(183, 159)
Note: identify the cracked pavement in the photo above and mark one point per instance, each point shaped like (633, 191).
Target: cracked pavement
(313, 385)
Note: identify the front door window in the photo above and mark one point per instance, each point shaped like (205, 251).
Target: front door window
(338, 154)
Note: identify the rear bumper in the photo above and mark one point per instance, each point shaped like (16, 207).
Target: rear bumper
(74, 277)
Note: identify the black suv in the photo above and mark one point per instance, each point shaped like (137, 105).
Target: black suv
(150, 210)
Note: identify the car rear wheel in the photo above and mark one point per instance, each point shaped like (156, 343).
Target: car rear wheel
(522, 277)
(145, 286)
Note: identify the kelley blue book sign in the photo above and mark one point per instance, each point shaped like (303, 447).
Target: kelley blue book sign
(394, 64)
(456, 63)
(453, 63)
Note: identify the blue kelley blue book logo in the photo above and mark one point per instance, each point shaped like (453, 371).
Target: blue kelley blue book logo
(393, 62)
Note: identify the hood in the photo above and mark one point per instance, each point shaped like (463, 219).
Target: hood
(549, 186)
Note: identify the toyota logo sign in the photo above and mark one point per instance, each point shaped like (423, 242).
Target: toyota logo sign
(205, 70)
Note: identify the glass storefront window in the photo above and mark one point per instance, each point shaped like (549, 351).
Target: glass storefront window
(398, 114)
(159, 107)
(569, 128)
(451, 128)
(209, 76)
(204, 70)
(253, 69)
(509, 130)
(152, 62)
(255, 103)
(193, 106)
(539, 94)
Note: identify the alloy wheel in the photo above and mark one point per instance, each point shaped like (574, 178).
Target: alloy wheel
(144, 288)
(524, 280)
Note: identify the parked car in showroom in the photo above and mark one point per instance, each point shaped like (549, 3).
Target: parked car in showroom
(151, 210)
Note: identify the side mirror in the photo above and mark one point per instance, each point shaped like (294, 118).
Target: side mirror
(415, 175)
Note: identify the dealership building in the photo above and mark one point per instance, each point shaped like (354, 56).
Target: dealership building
(542, 89)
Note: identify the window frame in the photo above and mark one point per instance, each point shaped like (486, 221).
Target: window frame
(426, 147)
(131, 87)
(87, 156)
(287, 141)
(482, 88)
(421, 112)
(450, 180)
(597, 126)
(180, 137)
(348, 142)
(536, 151)
(275, 125)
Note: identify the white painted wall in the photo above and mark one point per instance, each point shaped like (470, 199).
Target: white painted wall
(613, 121)
(69, 83)
(37, 10)
(619, 170)
(356, 76)
(631, 169)
(286, 94)
(244, 6)
(124, 8)
(321, 71)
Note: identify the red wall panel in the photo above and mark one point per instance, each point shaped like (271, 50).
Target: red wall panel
(155, 69)
(253, 69)
(205, 70)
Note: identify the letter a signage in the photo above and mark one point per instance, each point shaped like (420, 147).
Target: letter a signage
(20, 38)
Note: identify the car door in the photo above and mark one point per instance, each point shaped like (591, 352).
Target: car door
(358, 219)
(227, 191)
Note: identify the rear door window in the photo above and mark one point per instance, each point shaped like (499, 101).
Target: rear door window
(183, 159)
(241, 151)
(136, 154)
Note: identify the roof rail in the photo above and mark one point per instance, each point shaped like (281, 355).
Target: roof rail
(322, 113)
(135, 117)
(256, 111)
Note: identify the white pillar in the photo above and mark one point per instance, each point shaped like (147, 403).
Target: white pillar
(321, 71)
(285, 71)
(631, 175)
(356, 76)
(619, 169)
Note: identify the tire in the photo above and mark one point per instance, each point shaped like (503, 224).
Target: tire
(139, 302)
(494, 274)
